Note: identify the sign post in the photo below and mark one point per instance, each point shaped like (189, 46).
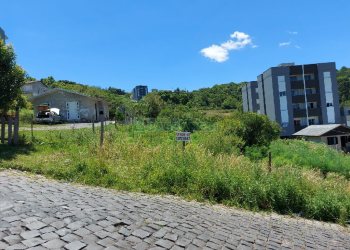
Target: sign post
(184, 137)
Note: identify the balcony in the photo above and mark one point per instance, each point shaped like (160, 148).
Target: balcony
(299, 84)
(298, 113)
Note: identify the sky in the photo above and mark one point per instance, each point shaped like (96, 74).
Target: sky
(168, 44)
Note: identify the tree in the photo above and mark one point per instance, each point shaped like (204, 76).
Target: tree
(153, 105)
(12, 78)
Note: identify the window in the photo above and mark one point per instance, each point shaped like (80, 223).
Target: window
(296, 92)
(293, 78)
(309, 77)
(332, 140)
(348, 112)
(311, 121)
(297, 123)
(310, 91)
(283, 93)
(311, 105)
(285, 124)
(329, 104)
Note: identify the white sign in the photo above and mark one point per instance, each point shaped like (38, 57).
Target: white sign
(183, 136)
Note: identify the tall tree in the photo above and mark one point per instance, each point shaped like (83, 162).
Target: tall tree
(12, 78)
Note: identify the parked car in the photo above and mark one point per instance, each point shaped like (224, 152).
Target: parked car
(48, 116)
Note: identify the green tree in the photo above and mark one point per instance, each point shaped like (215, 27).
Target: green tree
(12, 78)
(244, 131)
(153, 105)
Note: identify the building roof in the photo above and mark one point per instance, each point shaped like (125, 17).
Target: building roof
(321, 130)
(51, 91)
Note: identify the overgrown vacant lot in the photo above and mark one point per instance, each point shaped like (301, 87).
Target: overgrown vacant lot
(147, 159)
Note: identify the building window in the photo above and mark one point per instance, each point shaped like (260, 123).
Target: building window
(297, 123)
(311, 121)
(329, 104)
(332, 140)
(311, 105)
(309, 77)
(283, 93)
(348, 112)
(284, 124)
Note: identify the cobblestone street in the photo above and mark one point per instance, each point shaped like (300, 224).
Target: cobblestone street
(37, 213)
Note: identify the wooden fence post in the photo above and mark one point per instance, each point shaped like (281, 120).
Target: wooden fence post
(102, 133)
(9, 132)
(270, 162)
(32, 127)
(16, 127)
(2, 130)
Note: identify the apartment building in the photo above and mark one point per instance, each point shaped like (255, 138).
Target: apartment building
(251, 97)
(297, 96)
(2, 35)
(139, 91)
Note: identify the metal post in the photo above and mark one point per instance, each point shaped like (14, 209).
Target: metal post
(93, 125)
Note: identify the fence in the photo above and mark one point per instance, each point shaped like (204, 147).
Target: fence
(12, 124)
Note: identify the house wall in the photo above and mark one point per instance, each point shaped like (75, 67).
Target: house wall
(89, 108)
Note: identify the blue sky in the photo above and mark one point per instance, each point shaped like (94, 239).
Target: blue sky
(167, 44)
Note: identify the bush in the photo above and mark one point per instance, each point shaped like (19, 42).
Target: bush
(243, 131)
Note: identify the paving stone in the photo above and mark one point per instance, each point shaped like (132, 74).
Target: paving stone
(93, 247)
(49, 236)
(17, 247)
(71, 237)
(12, 239)
(75, 225)
(106, 242)
(33, 242)
(35, 225)
(75, 245)
(141, 233)
(172, 237)
(141, 246)
(3, 245)
(164, 243)
(30, 234)
(183, 242)
(82, 232)
(54, 244)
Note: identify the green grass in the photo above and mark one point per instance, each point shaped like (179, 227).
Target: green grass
(146, 159)
(310, 155)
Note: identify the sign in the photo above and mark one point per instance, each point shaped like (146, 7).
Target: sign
(183, 136)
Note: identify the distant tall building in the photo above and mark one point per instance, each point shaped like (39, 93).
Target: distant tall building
(2, 35)
(295, 96)
(139, 91)
(250, 96)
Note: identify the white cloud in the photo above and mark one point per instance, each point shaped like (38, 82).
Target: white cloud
(293, 32)
(220, 53)
(297, 47)
(284, 44)
(216, 53)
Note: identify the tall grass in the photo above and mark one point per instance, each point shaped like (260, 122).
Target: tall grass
(149, 160)
(310, 155)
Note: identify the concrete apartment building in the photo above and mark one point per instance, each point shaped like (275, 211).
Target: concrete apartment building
(297, 96)
(139, 91)
(3, 37)
(250, 97)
